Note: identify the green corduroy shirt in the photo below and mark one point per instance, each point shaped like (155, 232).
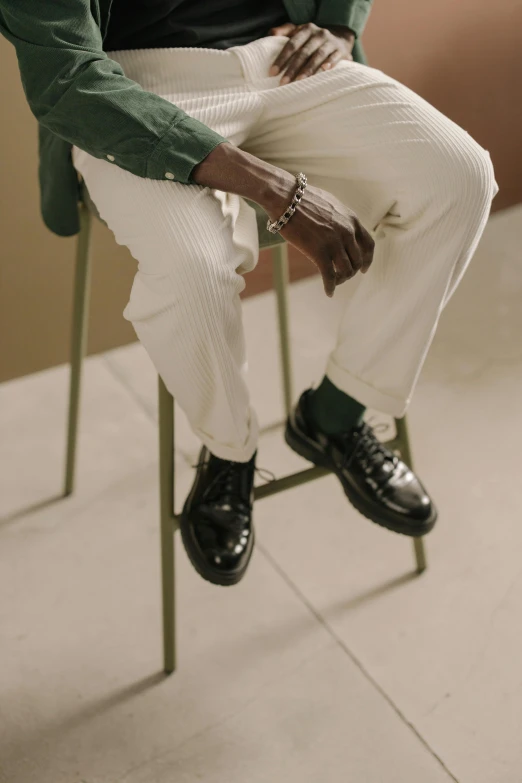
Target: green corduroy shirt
(80, 96)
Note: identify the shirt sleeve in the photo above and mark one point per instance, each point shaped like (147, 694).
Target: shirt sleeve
(349, 13)
(76, 91)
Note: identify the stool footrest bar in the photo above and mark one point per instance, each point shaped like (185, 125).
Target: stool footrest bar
(287, 482)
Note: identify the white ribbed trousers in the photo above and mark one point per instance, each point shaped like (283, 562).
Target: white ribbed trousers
(417, 181)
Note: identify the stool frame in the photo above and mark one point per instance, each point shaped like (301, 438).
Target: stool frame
(169, 519)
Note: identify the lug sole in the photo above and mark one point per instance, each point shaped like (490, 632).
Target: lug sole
(308, 449)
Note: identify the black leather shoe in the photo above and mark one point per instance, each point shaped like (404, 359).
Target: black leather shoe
(216, 520)
(375, 480)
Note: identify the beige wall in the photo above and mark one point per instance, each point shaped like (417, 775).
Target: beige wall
(36, 270)
(464, 57)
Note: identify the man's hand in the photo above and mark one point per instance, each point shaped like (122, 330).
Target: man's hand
(324, 230)
(310, 49)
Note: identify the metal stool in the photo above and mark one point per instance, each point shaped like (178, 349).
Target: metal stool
(169, 519)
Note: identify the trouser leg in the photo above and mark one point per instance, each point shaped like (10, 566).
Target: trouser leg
(417, 181)
(193, 246)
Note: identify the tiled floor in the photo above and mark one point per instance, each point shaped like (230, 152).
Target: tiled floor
(331, 662)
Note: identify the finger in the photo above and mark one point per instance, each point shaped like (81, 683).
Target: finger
(286, 52)
(343, 266)
(298, 37)
(367, 245)
(314, 63)
(328, 274)
(333, 59)
(283, 29)
(354, 250)
(301, 58)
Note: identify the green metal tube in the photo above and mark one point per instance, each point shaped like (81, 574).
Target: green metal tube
(287, 482)
(167, 501)
(403, 440)
(78, 340)
(281, 280)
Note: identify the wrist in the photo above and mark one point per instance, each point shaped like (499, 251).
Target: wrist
(231, 169)
(341, 31)
(278, 193)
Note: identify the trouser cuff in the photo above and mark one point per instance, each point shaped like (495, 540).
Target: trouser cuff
(235, 453)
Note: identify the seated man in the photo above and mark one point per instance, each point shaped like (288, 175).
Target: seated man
(174, 113)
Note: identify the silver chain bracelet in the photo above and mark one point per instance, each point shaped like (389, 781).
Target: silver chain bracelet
(285, 217)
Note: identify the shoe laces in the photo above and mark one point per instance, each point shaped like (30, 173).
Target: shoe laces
(229, 483)
(368, 451)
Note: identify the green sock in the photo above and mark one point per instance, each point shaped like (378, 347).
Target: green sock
(332, 410)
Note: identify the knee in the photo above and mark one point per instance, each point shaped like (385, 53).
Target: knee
(190, 295)
(467, 170)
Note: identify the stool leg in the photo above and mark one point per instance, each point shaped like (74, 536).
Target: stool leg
(404, 440)
(78, 340)
(166, 477)
(281, 278)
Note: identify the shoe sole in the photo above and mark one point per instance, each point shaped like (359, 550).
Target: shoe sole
(215, 577)
(308, 449)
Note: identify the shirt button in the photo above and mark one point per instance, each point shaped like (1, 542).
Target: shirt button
(168, 175)
(110, 157)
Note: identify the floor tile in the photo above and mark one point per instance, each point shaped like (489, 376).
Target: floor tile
(288, 675)
(82, 697)
(262, 690)
(321, 722)
(114, 438)
(445, 646)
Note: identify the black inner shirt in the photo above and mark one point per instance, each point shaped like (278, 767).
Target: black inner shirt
(213, 24)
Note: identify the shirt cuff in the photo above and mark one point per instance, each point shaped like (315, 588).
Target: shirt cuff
(185, 144)
(353, 15)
